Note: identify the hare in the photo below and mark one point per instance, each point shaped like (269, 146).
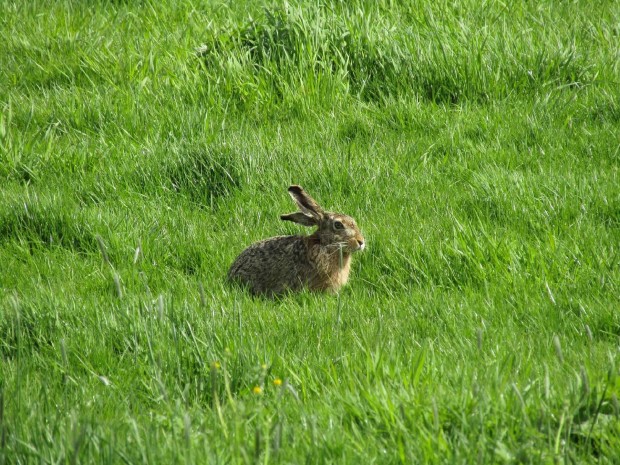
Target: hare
(320, 261)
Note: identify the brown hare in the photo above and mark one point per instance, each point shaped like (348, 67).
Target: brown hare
(320, 261)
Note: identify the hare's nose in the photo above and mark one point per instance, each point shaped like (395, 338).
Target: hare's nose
(362, 244)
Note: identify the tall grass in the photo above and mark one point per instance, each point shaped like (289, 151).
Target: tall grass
(436, 52)
(144, 144)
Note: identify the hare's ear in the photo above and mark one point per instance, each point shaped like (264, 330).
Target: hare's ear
(300, 218)
(306, 204)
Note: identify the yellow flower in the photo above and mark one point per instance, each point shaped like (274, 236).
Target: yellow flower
(264, 366)
(216, 365)
(277, 382)
(257, 390)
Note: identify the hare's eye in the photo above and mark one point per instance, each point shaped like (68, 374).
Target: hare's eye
(338, 225)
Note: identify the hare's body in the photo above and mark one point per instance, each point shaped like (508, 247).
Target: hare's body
(291, 263)
(320, 261)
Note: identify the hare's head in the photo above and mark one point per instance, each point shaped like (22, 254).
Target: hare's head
(334, 229)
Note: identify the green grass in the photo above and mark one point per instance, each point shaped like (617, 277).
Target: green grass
(144, 144)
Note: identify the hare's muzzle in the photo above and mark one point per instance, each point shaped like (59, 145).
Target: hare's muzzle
(354, 244)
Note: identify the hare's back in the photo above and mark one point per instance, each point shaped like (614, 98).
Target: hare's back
(272, 265)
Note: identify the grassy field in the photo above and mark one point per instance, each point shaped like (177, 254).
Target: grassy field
(144, 144)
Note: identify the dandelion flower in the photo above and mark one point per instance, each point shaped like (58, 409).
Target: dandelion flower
(257, 390)
(277, 382)
(216, 365)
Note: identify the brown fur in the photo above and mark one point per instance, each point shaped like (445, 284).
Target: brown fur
(319, 262)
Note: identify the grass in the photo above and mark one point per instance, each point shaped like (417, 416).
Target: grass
(144, 144)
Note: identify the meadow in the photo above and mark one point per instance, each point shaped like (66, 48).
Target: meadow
(144, 144)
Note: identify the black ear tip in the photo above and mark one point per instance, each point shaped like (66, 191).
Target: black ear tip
(295, 188)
